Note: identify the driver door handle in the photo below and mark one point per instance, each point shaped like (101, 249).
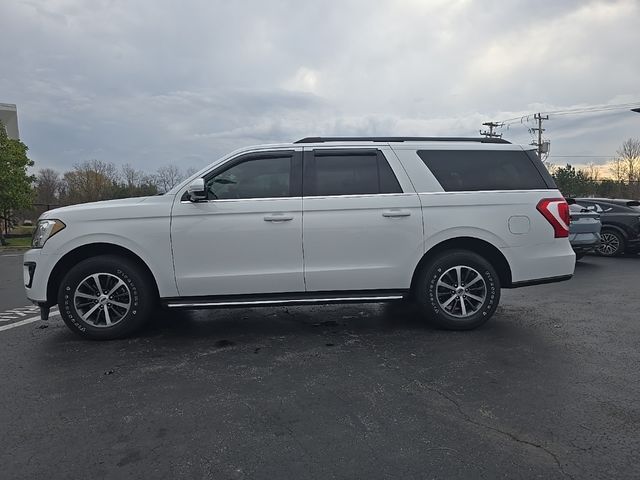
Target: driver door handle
(277, 217)
(396, 212)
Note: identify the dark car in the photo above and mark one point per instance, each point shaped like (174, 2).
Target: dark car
(584, 229)
(620, 224)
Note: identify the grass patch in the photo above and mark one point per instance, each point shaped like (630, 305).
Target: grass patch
(18, 242)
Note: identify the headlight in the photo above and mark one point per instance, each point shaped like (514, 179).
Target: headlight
(45, 230)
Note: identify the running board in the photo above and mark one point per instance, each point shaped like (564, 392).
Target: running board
(316, 298)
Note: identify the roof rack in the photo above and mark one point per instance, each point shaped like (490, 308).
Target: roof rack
(401, 139)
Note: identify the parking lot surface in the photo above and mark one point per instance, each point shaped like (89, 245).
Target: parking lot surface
(549, 388)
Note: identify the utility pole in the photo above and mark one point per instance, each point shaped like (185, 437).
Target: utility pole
(490, 133)
(543, 147)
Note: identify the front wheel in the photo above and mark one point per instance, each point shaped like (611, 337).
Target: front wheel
(458, 290)
(105, 297)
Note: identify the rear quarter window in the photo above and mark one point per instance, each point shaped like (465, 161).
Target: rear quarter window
(473, 170)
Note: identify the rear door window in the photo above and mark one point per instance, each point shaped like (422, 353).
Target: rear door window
(348, 172)
(473, 170)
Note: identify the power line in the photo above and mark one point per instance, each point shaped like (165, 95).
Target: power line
(577, 111)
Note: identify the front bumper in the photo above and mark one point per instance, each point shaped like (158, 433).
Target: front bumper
(37, 268)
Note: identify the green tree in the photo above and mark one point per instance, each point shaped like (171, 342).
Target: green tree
(15, 182)
(574, 183)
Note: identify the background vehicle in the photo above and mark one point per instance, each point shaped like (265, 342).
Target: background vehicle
(445, 221)
(620, 224)
(584, 229)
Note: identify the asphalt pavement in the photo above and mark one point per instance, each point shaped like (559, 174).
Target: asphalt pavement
(549, 388)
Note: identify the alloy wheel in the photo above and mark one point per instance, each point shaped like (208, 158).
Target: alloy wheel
(609, 244)
(102, 300)
(461, 291)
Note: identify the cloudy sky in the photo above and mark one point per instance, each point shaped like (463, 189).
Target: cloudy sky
(155, 82)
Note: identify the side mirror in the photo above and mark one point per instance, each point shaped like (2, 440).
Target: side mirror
(196, 190)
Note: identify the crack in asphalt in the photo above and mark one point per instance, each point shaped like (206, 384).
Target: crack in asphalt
(509, 435)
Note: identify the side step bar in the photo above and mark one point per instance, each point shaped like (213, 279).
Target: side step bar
(317, 298)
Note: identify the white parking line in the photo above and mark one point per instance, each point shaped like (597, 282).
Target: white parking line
(17, 312)
(26, 321)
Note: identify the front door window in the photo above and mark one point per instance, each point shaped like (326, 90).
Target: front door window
(255, 178)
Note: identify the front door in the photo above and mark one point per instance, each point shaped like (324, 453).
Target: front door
(246, 238)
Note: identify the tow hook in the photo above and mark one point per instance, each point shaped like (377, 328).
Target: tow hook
(44, 312)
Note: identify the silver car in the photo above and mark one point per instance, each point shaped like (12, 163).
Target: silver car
(584, 229)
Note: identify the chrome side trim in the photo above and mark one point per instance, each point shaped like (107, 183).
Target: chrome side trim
(260, 199)
(227, 303)
(314, 197)
(361, 195)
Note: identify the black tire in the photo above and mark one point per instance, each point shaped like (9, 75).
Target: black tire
(612, 243)
(432, 297)
(579, 255)
(131, 286)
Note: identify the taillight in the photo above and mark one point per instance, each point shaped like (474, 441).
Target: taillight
(556, 211)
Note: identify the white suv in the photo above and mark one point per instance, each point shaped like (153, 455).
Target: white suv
(447, 222)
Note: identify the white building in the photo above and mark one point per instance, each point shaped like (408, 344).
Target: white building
(9, 118)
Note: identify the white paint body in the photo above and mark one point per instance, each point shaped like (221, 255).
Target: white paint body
(344, 242)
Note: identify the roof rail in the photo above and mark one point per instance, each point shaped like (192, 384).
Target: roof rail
(401, 139)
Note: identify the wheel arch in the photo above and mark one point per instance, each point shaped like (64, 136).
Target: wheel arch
(481, 247)
(615, 228)
(83, 252)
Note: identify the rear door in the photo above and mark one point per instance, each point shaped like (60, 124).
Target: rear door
(362, 226)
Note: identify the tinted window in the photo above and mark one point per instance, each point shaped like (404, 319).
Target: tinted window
(349, 173)
(255, 178)
(600, 207)
(463, 170)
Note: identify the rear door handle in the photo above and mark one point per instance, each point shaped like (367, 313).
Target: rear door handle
(396, 213)
(277, 217)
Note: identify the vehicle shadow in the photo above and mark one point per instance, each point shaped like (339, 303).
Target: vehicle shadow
(258, 326)
(324, 336)
(269, 321)
(586, 264)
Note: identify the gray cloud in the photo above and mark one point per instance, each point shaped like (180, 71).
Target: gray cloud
(157, 82)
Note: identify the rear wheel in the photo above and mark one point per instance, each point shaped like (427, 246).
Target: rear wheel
(579, 255)
(105, 297)
(459, 290)
(611, 243)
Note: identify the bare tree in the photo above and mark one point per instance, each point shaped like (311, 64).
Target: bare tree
(617, 169)
(592, 171)
(90, 181)
(48, 185)
(551, 167)
(131, 176)
(629, 154)
(168, 177)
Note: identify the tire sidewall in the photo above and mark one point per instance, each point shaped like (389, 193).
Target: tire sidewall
(121, 268)
(427, 290)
